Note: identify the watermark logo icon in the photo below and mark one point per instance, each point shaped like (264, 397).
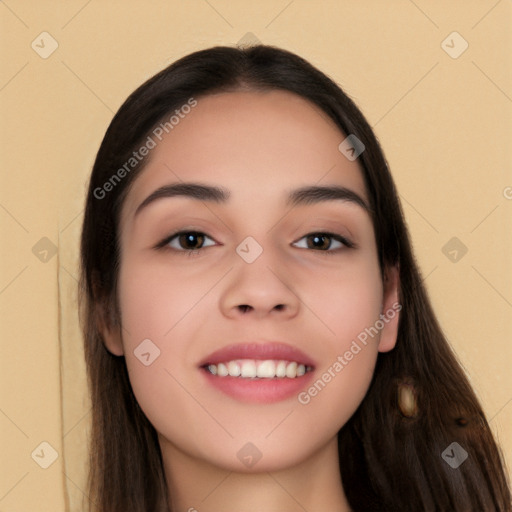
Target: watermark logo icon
(454, 45)
(45, 455)
(249, 455)
(147, 352)
(351, 147)
(44, 250)
(249, 249)
(454, 455)
(249, 39)
(44, 45)
(454, 250)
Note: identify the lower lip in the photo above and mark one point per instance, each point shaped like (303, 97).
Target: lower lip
(256, 390)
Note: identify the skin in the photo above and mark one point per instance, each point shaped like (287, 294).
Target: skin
(258, 146)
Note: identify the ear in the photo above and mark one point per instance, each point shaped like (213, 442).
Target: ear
(109, 327)
(390, 309)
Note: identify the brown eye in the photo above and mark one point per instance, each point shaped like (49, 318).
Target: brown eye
(319, 241)
(191, 240)
(188, 241)
(323, 242)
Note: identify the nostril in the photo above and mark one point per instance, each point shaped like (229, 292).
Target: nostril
(244, 307)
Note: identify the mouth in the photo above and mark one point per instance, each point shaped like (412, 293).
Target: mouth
(258, 372)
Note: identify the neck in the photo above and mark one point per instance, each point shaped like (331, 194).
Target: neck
(197, 486)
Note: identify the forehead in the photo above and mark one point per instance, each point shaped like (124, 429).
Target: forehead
(259, 145)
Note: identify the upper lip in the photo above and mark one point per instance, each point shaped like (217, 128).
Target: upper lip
(258, 350)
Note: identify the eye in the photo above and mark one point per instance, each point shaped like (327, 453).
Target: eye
(325, 242)
(187, 241)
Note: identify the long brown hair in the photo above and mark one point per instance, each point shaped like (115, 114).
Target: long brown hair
(389, 460)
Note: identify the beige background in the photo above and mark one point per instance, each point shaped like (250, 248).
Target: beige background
(445, 124)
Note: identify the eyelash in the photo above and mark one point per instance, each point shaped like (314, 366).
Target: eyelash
(164, 244)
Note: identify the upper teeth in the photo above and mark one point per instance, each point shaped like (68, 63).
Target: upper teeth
(250, 368)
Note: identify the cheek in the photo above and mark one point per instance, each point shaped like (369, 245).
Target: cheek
(152, 299)
(346, 301)
(347, 310)
(162, 311)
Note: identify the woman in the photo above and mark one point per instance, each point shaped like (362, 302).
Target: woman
(257, 334)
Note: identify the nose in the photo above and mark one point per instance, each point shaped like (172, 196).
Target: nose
(259, 289)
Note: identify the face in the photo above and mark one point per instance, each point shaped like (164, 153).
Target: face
(257, 281)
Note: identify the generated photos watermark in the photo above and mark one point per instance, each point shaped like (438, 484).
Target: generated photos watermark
(304, 397)
(151, 142)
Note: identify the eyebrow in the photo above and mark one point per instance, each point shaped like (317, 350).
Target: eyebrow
(301, 196)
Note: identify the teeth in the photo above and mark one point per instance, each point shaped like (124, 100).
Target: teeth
(248, 369)
(234, 369)
(291, 370)
(222, 370)
(266, 369)
(281, 369)
(251, 368)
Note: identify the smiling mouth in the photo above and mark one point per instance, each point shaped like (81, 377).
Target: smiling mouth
(259, 369)
(262, 371)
